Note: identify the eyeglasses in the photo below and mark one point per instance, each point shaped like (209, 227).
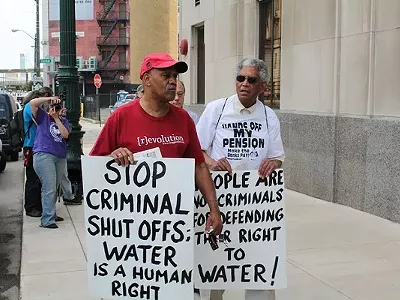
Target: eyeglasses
(250, 79)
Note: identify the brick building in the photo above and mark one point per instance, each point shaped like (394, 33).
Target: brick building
(102, 45)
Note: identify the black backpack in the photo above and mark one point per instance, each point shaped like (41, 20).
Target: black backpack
(16, 129)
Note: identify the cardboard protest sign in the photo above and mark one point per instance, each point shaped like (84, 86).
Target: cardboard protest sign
(254, 253)
(139, 228)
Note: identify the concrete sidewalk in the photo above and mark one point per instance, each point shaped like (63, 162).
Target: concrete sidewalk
(334, 252)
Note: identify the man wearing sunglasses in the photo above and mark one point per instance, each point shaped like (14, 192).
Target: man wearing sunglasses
(240, 132)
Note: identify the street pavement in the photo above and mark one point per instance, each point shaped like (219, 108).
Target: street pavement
(333, 252)
(10, 229)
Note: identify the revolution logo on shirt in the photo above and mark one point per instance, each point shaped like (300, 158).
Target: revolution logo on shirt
(164, 140)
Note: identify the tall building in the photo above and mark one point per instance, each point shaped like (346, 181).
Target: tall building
(154, 28)
(334, 77)
(102, 44)
(22, 61)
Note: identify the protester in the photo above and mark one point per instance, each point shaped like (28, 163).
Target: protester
(240, 132)
(152, 122)
(179, 100)
(50, 155)
(33, 202)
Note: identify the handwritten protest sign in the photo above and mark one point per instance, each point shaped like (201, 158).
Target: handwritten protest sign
(253, 214)
(139, 228)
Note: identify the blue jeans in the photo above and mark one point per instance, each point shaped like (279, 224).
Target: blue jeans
(66, 185)
(50, 170)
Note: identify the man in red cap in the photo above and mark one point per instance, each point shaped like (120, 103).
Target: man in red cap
(152, 122)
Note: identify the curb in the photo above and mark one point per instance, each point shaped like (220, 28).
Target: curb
(22, 235)
(89, 120)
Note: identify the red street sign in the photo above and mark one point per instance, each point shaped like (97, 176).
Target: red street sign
(97, 81)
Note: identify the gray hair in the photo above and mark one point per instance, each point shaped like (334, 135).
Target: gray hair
(258, 64)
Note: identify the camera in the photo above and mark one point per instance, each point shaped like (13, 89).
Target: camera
(61, 96)
(213, 240)
(57, 106)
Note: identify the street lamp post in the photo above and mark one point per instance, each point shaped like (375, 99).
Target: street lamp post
(37, 42)
(69, 82)
(36, 53)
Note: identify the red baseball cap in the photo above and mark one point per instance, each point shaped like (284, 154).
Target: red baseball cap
(161, 61)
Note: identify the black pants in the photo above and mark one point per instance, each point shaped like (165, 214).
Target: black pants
(33, 187)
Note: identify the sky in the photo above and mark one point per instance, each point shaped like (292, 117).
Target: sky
(16, 14)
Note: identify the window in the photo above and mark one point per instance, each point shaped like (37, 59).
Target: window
(196, 2)
(201, 65)
(270, 48)
(105, 30)
(105, 54)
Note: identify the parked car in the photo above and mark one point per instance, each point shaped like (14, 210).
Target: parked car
(7, 110)
(19, 106)
(3, 158)
(122, 98)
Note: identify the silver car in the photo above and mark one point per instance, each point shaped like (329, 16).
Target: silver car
(117, 104)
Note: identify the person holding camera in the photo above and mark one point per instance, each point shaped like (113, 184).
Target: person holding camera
(50, 154)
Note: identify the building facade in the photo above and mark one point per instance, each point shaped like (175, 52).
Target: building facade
(335, 77)
(154, 28)
(102, 45)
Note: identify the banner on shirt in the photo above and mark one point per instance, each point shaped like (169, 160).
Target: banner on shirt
(84, 10)
(253, 255)
(139, 228)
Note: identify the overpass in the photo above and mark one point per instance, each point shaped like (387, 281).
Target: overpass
(11, 71)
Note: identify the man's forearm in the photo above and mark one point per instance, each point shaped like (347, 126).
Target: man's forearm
(39, 101)
(206, 186)
(208, 159)
(64, 131)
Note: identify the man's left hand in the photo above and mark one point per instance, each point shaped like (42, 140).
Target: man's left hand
(267, 166)
(214, 220)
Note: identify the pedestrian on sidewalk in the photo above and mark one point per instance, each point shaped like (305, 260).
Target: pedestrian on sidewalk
(32, 196)
(179, 100)
(153, 122)
(50, 154)
(240, 132)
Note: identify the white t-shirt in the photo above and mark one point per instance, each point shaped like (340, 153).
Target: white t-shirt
(239, 136)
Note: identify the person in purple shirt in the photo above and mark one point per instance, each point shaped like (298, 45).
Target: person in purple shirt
(49, 154)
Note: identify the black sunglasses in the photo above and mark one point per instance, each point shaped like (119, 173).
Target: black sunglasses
(241, 78)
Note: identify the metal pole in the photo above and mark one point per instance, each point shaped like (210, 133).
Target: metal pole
(98, 104)
(272, 50)
(37, 41)
(53, 83)
(69, 81)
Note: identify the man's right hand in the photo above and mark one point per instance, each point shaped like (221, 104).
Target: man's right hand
(221, 165)
(123, 156)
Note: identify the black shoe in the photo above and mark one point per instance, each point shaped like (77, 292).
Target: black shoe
(50, 226)
(72, 201)
(34, 214)
(59, 219)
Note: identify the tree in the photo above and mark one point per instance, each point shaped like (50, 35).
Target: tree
(28, 86)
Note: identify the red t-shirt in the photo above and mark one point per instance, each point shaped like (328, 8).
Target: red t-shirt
(133, 128)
